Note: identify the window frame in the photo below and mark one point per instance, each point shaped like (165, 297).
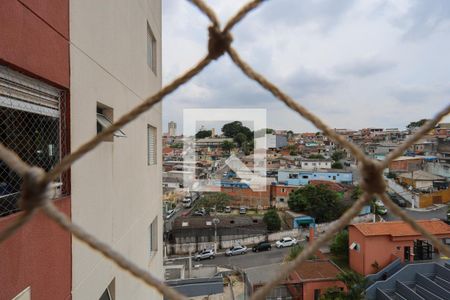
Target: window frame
(151, 50)
(152, 148)
(153, 236)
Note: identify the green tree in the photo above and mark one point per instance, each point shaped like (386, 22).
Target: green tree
(339, 245)
(234, 128)
(297, 201)
(227, 146)
(338, 155)
(240, 139)
(272, 220)
(203, 134)
(355, 283)
(217, 200)
(269, 130)
(318, 201)
(337, 165)
(416, 124)
(176, 145)
(356, 193)
(333, 293)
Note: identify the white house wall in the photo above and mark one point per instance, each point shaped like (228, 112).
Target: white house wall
(115, 194)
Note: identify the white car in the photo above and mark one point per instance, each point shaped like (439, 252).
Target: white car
(205, 254)
(286, 242)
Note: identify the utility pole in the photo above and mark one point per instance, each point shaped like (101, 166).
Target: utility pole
(190, 262)
(215, 222)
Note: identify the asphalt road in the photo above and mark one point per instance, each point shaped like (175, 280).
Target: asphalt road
(248, 260)
(440, 213)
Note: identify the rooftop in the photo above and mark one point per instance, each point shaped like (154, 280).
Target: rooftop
(421, 175)
(334, 186)
(316, 270)
(401, 229)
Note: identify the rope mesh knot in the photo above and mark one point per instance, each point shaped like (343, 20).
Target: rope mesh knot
(34, 191)
(218, 42)
(372, 179)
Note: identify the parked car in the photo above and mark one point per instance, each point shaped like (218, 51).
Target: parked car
(187, 202)
(235, 250)
(170, 213)
(227, 209)
(286, 242)
(200, 212)
(243, 210)
(380, 209)
(262, 246)
(205, 254)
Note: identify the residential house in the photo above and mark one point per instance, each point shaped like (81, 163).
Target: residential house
(302, 177)
(314, 164)
(406, 164)
(307, 282)
(59, 87)
(422, 180)
(276, 141)
(373, 246)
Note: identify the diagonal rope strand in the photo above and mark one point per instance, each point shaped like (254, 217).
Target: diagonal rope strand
(414, 225)
(67, 161)
(35, 188)
(13, 161)
(344, 220)
(61, 219)
(247, 8)
(422, 131)
(295, 106)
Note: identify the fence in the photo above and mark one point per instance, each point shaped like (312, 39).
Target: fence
(36, 181)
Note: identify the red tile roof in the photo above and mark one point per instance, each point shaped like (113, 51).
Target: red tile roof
(315, 270)
(400, 228)
(334, 186)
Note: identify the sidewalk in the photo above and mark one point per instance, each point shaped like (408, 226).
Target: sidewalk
(429, 208)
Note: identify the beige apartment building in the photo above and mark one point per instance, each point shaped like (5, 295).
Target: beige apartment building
(115, 62)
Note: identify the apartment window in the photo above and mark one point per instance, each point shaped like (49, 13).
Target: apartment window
(316, 294)
(105, 117)
(151, 142)
(151, 49)
(305, 177)
(109, 293)
(154, 235)
(32, 124)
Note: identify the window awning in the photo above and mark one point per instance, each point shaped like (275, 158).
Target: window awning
(104, 122)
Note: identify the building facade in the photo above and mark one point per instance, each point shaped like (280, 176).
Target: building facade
(379, 244)
(76, 67)
(302, 177)
(172, 128)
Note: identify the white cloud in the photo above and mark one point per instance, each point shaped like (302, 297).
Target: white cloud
(353, 64)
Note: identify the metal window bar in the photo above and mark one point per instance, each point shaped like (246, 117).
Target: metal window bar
(33, 124)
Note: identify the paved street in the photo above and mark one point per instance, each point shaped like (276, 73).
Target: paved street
(248, 260)
(440, 213)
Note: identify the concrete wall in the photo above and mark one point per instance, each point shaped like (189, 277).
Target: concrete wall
(31, 45)
(36, 256)
(442, 196)
(375, 248)
(438, 168)
(224, 244)
(116, 195)
(309, 287)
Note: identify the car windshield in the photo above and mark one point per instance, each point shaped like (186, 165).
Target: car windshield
(282, 240)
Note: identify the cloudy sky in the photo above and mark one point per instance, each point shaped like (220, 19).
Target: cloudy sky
(354, 63)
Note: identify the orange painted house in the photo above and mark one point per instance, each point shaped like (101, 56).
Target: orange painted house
(307, 282)
(381, 243)
(314, 277)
